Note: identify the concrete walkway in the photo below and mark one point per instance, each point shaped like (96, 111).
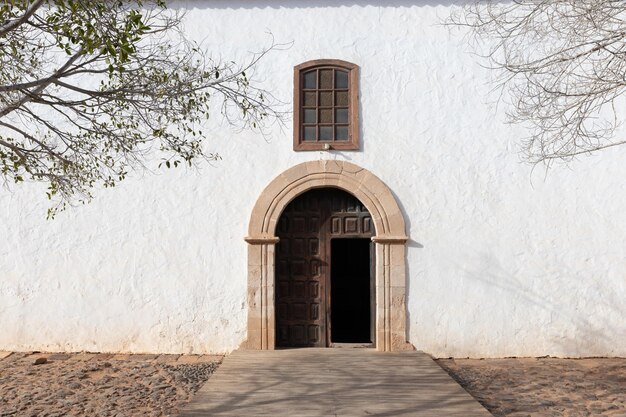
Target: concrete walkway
(331, 382)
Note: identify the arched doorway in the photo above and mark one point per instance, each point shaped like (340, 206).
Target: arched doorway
(325, 287)
(389, 248)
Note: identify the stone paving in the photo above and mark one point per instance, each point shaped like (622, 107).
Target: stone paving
(331, 382)
(529, 387)
(88, 384)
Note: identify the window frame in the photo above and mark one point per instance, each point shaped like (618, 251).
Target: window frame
(353, 105)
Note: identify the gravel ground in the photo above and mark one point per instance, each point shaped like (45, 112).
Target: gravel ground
(100, 384)
(544, 386)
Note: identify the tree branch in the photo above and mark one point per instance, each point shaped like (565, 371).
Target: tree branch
(15, 23)
(30, 95)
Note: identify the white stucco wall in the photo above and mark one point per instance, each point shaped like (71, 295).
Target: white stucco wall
(502, 260)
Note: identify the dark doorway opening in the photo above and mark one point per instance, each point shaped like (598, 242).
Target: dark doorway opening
(350, 290)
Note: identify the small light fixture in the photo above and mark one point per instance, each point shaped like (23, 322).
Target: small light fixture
(327, 147)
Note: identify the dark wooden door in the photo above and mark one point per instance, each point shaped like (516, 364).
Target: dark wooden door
(305, 229)
(300, 275)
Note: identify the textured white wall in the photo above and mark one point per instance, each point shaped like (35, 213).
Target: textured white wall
(502, 260)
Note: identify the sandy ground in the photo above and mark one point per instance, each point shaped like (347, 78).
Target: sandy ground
(544, 386)
(87, 384)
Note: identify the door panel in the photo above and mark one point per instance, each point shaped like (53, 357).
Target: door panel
(300, 279)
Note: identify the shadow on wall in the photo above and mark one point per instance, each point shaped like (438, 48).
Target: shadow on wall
(591, 338)
(311, 4)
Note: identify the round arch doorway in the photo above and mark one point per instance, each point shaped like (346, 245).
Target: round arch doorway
(325, 281)
(389, 248)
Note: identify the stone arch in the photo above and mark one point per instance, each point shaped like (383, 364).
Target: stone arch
(390, 239)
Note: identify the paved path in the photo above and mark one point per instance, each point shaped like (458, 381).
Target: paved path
(331, 382)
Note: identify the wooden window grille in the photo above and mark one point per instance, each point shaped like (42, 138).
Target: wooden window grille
(326, 113)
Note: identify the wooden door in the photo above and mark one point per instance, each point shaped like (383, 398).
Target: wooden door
(300, 275)
(302, 262)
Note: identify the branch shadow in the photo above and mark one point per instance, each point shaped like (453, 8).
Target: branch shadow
(354, 383)
(591, 338)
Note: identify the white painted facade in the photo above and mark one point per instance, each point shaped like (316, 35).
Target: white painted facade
(502, 260)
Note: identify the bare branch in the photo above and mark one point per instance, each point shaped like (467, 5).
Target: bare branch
(563, 63)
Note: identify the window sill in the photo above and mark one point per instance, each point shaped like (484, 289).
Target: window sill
(326, 146)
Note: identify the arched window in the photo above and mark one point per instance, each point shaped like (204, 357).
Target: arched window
(326, 112)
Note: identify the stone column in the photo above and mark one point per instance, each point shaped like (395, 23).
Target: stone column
(391, 294)
(261, 318)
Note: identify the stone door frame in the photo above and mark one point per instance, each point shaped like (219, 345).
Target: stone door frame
(389, 239)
